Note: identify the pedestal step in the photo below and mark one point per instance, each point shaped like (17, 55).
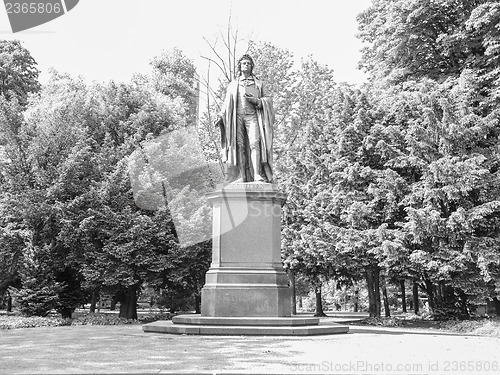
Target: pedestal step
(194, 319)
(231, 326)
(167, 326)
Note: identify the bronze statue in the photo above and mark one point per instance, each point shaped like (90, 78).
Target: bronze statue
(246, 124)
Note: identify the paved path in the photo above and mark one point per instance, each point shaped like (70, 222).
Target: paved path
(365, 350)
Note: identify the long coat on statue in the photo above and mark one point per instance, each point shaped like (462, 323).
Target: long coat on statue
(231, 155)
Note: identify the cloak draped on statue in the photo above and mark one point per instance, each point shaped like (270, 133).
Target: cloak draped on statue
(233, 157)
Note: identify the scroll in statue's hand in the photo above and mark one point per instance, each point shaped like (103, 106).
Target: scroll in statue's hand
(218, 121)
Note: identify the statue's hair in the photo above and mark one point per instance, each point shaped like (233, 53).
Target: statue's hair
(245, 57)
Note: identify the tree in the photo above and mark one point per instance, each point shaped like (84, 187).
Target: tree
(15, 171)
(13, 239)
(169, 172)
(34, 152)
(457, 190)
(274, 66)
(409, 40)
(312, 224)
(18, 72)
(118, 244)
(174, 75)
(434, 82)
(441, 165)
(64, 169)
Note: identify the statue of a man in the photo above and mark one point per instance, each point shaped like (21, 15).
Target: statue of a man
(246, 124)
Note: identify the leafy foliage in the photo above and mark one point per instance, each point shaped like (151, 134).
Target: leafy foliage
(18, 72)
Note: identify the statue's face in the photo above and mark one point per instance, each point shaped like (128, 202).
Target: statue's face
(246, 66)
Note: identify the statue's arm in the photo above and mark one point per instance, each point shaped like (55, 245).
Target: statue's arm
(219, 120)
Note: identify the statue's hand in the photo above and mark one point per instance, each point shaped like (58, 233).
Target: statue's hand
(251, 99)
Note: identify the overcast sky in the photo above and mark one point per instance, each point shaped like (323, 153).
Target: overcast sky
(113, 39)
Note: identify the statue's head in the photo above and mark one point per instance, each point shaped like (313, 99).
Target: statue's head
(246, 61)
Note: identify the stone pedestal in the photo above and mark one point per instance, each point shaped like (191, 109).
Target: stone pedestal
(246, 278)
(246, 290)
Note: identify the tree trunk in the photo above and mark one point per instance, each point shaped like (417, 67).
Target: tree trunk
(294, 293)
(376, 283)
(371, 294)
(66, 312)
(356, 300)
(112, 304)
(415, 297)
(386, 299)
(462, 302)
(93, 301)
(429, 289)
(319, 302)
(496, 305)
(440, 295)
(372, 280)
(403, 294)
(197, 303)
(449, 298)
(9, 302)
(128, 304)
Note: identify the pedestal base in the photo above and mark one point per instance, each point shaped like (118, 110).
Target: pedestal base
(228, 326)
(246, 277)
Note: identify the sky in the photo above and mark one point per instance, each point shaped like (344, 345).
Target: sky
(103, 40)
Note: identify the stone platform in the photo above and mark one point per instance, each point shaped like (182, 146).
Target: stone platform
(234, 326)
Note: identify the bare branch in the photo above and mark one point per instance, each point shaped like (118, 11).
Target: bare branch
(228, 45)
(210, 90)
(216, 63)
(223, 68)
(234, 51)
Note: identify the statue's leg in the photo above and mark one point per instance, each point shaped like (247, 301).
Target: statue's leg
(242, 147)
(254, 142)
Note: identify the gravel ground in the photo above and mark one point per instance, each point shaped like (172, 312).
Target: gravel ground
(127, 349)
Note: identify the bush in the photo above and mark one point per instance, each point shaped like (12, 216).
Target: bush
(443, 314)
(93, 319)
(153, 317)
(36, 300)
(384, 322)
(489, 328)
(483, 327)
(12, 322)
